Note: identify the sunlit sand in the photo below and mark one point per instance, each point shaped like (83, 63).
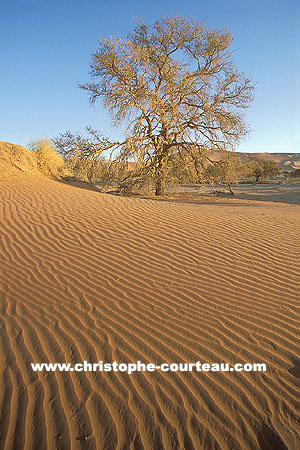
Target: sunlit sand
(91, 276)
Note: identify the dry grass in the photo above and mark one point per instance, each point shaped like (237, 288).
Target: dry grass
(49, 161)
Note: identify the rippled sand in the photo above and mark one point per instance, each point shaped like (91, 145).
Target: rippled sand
(90, 276)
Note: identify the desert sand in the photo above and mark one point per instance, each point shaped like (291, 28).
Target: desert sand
(92, 276)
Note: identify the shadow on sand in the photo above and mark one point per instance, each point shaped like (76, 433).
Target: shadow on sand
(248, 194)
(269, 440)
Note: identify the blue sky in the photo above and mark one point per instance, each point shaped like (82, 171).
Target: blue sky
(46, 46)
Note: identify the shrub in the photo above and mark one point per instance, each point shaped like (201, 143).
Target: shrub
(48, 160)
(230, 169)
(262, 168)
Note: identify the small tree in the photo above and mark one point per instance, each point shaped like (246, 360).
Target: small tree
(230, 169)
(177, 89)
(263, 168)
(295, 173)
(83, 156)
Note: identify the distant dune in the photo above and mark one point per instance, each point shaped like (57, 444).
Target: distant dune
(287, 161)
(90, 276)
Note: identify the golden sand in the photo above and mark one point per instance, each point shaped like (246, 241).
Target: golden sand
(90, 276)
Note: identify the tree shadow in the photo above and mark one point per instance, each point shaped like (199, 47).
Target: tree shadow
(295, 371)
(69, 181)
(291, 198)
(286, 194)
(268, 439)
(275, 193)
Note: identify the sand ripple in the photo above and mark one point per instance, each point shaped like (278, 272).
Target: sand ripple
(88, 276)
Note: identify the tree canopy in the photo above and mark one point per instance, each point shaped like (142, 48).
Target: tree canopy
(230, 169)
(260, 168)
(175, 87)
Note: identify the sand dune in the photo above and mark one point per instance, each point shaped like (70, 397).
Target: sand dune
(89, 276)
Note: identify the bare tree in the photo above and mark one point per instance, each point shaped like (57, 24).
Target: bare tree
(175, 86)
(83, 156)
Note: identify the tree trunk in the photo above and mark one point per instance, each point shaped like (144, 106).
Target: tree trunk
(160, 179)
(160, 188)
(230, 190)
(258, 177)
